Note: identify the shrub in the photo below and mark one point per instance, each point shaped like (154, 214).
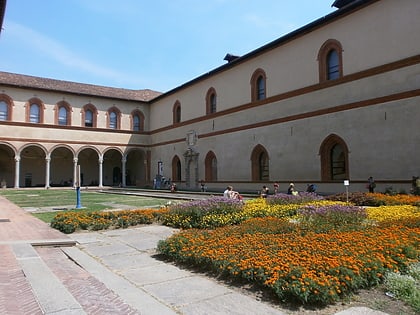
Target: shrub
(302, 197)
(69, 222)
(356, 198)
(332, 217)
(406, 286)
(203, 213)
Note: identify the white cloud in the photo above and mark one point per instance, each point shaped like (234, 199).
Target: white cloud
(39, 44)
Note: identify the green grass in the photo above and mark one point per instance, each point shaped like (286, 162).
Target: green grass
(66, 198)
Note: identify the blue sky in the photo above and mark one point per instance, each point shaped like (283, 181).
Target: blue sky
(139, 44)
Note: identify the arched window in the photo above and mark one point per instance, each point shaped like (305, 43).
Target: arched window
(63, 114)
(89, 114)
(177, 112)
(211, 101)
(114, 118)
(34, 111)
(258, 85)
(137, 121)
(176, 168)
(5, 107)
(334, 159)
(210, 167)
(330, 60)
(88, 118)
(260, 164)
(4, 111)
(333, 70)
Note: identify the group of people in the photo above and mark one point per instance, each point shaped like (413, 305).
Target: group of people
(229, 193)
(265, 191)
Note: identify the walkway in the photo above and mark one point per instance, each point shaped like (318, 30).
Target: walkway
(43, 271)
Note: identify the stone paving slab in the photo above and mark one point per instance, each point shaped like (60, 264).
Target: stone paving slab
(14, 286)
(129, 293)
(51, 294)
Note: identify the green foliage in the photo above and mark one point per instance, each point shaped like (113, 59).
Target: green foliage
(406, 286)
(357, 198)
(69, 222)
(210, 213)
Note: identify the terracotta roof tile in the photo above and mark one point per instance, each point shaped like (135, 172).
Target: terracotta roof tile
(19, 80)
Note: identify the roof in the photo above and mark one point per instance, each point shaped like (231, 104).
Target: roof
(2, 11)
(341, 3)
(26, 81)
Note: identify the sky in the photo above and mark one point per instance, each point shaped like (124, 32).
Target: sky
(141, 44)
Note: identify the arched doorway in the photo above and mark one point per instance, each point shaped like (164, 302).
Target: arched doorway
(88, 159)
(112, 166)
(135, 170)
(7, 165)
(61, 167)
(32, 166)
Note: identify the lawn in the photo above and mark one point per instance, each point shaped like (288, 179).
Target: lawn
(43, 200)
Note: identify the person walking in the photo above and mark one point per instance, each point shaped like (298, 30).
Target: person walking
(371, 185)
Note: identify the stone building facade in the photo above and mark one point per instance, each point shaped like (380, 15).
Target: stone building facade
(337, 99)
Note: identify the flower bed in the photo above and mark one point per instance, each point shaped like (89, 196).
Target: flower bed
(306, 267)
(305, 250)
(377, 199)
(68, 222)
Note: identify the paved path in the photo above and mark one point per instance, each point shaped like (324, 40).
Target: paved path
(43, 271)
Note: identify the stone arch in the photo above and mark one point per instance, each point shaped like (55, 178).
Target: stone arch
(260, 164)
(33, 159)
(210, 163)
(334, 159)
(7, 164)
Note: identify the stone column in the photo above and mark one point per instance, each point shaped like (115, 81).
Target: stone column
(75, 160)
(123, 162)
(17, 171)
(101, 161)
(47, 171)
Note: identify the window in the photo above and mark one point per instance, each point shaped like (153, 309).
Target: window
(260, 164)
(4, 111)
(210, 167)
(137, 121)
(211, 101)
(5, 107)
(62, 114)
(114, 118)
(330, 60)
(176, 112)
(89, 114)
(176, 169)
(334, 159)
(258, 85)
(88, 118)
(333, 71)
(34, 113)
